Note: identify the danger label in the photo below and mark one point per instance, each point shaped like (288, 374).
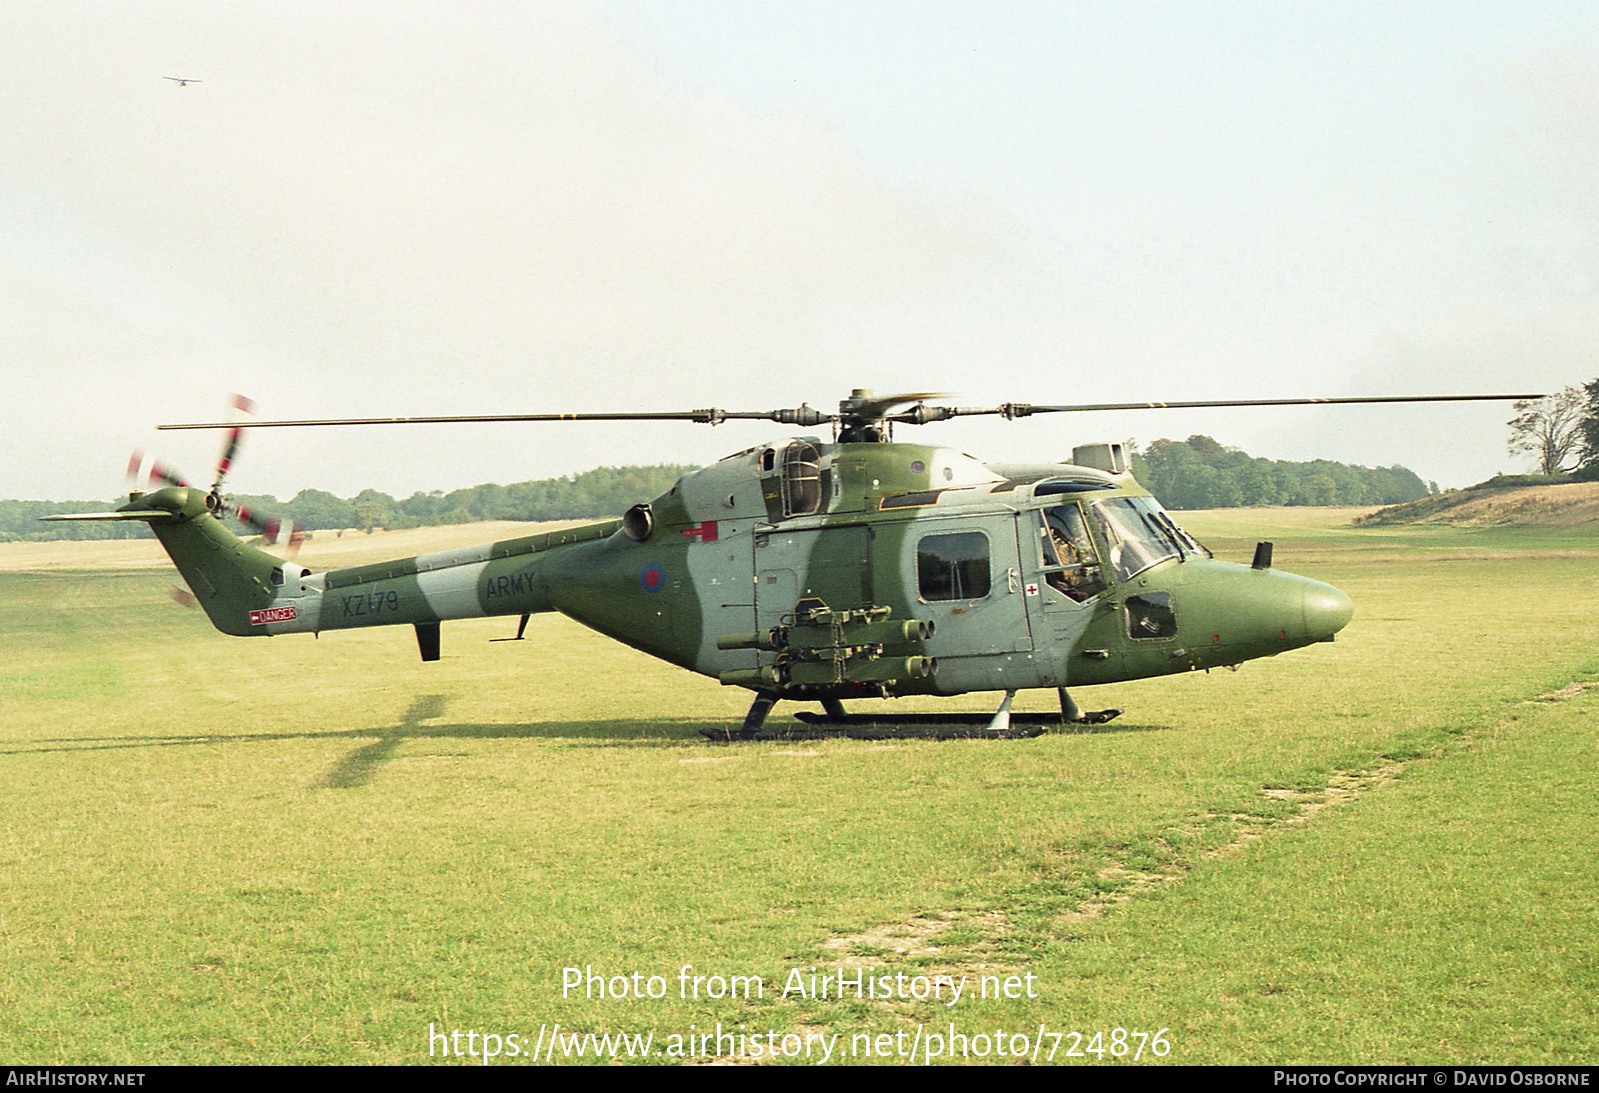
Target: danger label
(273, 614)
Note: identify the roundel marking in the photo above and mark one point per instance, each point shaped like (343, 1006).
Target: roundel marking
(652, 577)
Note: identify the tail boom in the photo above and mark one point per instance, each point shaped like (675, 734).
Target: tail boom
(247, 592)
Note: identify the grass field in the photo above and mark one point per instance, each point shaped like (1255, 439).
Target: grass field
(216, 850)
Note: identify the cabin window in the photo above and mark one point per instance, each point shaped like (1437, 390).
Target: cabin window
(1150, 616)
(953, 567)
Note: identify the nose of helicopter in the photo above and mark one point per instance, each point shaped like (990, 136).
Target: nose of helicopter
(1326, 611)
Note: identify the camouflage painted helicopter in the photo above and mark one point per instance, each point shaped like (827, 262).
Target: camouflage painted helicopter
(820, 571)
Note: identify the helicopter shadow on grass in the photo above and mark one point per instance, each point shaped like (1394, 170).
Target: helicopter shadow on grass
(413, 725)
(361, 765)
(358, 767)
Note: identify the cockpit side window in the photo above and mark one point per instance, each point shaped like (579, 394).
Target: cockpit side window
(1066, 543)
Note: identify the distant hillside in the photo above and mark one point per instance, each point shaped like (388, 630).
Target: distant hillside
(1498, 503)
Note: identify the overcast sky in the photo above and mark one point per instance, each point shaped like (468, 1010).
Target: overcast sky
(406, 208)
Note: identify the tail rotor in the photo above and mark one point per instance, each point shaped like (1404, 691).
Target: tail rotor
(270, 528)
(230, 448)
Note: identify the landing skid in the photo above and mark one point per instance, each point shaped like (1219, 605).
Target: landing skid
(974, 720)
(834, 723)
(856, 727)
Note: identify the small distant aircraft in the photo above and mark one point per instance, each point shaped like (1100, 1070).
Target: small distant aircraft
(180, 81)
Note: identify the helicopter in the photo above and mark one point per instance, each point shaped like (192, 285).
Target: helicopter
(819, 570)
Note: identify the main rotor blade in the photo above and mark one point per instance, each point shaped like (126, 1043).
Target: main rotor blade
(920, 414)
(804, 415)
(1012, 410)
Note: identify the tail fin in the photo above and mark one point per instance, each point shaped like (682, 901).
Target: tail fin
(228, 577)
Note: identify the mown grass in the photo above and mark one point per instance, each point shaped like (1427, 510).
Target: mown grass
(297, 850)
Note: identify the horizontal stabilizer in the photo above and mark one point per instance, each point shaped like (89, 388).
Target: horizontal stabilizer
(135, 514)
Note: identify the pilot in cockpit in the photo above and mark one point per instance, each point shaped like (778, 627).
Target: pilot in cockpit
(1072, 546)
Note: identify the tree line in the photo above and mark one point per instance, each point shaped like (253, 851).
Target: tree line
(606, 491)
(1184, 474)
(1195, 473)
(1200, 473)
